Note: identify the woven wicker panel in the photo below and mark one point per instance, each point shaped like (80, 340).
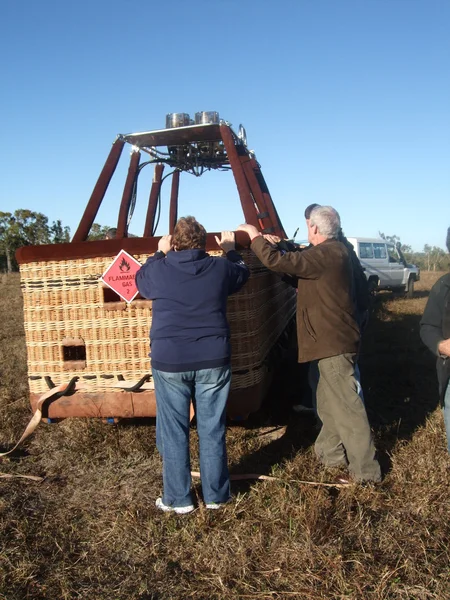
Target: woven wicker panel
(64, 299)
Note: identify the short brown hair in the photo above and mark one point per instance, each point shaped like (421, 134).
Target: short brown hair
(188, 234)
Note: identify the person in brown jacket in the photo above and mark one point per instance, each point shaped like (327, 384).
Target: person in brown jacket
(329, 336)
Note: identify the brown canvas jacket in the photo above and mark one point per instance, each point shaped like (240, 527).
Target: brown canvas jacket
(326, 324)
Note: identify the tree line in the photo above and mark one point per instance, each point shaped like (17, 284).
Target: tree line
(29, 228)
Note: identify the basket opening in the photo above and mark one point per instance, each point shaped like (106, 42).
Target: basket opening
(73, 354)
(110, 295)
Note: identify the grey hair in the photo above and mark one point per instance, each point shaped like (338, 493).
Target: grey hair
(327, 220)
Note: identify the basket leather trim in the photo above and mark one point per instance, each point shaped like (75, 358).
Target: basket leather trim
(98, 248)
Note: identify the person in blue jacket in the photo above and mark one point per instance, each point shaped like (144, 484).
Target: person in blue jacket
(190, 354)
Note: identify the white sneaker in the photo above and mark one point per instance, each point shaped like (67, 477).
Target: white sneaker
(180, 510)
(215, 505)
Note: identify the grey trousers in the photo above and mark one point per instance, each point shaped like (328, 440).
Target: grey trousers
(345, 437)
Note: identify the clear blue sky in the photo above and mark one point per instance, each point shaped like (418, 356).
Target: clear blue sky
(345, 102)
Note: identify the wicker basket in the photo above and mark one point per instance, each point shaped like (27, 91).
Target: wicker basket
(71, 331)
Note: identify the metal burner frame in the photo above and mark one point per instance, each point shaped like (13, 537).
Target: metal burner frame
(192, 149)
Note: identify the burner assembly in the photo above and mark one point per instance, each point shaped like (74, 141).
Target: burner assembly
(188, 154)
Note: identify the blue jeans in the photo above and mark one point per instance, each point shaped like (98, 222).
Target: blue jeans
(173, 396)
(446, 411)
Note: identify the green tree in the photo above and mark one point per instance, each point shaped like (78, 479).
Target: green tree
(29, 228)
(436, 258)
(33, 226)
(393, 239)
(11, 238)
(98, 232)
(24, 228)
(58, 233)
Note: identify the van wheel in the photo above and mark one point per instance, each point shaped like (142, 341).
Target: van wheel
(373, 284)
(410, 288)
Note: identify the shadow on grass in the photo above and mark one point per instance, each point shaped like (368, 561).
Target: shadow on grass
(417, 294)
(398, 375)
(15, 456)
(398, 378)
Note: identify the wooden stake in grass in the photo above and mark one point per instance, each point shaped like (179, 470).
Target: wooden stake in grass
(243, 476)
(12, 476)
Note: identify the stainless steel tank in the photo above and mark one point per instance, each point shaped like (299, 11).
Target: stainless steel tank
(177, 120)
(206, 117)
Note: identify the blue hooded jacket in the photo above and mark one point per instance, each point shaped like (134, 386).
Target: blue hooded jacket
(189, 290)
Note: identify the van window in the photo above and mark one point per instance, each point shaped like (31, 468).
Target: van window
(393, 256)
(365, 250)
(379, 250)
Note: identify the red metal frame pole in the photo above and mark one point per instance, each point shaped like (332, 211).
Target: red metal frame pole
(99, 191)
(153, 200)
(247, 201)
(173, 211)
(264, 217)
(268, 202)
(122, 227)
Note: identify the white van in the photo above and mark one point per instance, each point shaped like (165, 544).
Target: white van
(384, 265)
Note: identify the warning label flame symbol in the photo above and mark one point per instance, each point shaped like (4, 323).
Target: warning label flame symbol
(124, 266)
(120, 276)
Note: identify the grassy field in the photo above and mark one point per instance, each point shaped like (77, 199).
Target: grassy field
(90, 529)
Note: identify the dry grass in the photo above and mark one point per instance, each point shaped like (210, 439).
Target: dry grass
(90, 529)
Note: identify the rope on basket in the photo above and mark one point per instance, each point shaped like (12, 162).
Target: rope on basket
(58, 390)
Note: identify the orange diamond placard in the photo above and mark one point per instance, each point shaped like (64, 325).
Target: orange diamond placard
(121, 274)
